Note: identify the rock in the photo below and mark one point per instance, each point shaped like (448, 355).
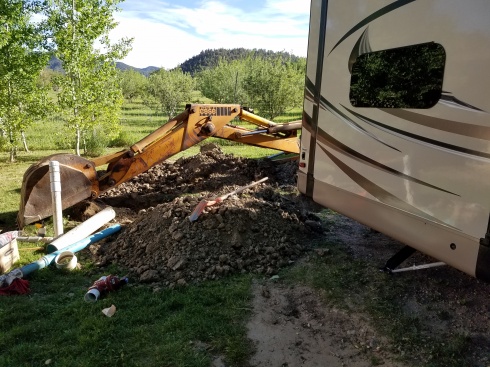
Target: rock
(179, 264)
(314, 226)
(149, 276)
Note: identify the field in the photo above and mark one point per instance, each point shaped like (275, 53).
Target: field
(330, 306)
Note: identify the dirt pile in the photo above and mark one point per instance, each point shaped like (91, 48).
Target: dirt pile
(260, 230)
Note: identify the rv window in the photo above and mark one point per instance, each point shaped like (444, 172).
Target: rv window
(406, 77)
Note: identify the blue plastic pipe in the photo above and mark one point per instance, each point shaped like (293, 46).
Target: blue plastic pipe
(77, 246)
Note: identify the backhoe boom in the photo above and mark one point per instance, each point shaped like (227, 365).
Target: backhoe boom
(80, 180)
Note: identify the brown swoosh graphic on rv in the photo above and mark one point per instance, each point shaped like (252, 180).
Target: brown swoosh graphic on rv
(333, 143)
(421, 139)
(310, 90)
(309, 96)
(448, 99)
(379, 13)
(455, 127)
(326, 105)
(361, 47)
(378, 192)
(307, 123)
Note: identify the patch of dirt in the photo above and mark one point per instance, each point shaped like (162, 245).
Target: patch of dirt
(292, 327)
(443, 299)
(261, 230)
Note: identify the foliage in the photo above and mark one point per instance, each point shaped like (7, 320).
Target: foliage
(123, 139)
(223, 83)
(95, 141)
(211, 58)
(274, 85)
(167, 90)
(132, 84)
(89, 94)
(407, 77)
(22, 57)
(47, 77)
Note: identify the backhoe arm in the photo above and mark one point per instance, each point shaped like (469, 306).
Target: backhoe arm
(197, 123)
(80, 179)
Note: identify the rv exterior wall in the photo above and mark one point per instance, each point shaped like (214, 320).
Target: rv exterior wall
(419, 175)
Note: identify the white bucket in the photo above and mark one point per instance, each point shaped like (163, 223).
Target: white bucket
(9, 254)
(66, 260)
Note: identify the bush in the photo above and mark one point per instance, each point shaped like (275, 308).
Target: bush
(123, 139)
(95, 144)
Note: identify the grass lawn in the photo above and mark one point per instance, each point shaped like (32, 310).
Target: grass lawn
(54, 326)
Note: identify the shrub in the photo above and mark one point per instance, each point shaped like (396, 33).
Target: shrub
(123, 139)
(95, 143)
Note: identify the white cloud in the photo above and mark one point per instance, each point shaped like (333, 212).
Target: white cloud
(154, 44)
(166, 35)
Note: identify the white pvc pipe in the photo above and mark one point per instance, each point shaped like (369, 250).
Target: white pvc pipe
(55, 180)
(419, 267)
(35, 239)
(83, 230)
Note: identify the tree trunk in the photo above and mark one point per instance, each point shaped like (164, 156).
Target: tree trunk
(13, 154)
(24, 141)
(77, 147)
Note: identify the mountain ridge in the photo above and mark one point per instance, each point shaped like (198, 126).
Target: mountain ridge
(205, 59)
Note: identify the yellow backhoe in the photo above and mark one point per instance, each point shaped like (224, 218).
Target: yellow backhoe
(80, 179)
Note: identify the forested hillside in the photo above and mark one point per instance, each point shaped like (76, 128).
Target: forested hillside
(210, 58)
(205, 59)
(55, 64)
(145, 71)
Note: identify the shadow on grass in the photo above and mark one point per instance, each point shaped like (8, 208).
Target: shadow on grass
(8, 221)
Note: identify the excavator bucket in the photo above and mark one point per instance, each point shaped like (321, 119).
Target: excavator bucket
(78, 182)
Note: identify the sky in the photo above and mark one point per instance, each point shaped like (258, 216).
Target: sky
(167, 33)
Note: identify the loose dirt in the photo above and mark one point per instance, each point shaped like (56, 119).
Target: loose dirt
(292, 327)
(261, 230)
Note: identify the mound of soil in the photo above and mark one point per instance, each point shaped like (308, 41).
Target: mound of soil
(259, 230)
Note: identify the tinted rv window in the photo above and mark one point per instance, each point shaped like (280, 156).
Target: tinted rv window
(406, 77)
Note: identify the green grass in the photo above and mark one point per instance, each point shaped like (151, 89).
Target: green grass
(165, 328)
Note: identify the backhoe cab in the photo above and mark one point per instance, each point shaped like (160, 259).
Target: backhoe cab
(80, 179)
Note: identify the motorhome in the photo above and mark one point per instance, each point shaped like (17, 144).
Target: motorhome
(396, 129)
